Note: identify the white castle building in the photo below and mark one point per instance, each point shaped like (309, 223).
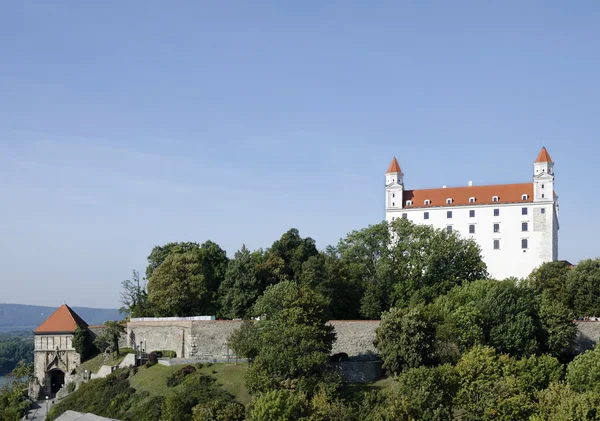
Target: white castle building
(516, 225)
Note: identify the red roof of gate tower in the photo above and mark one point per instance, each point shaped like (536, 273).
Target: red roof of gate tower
(63, 320)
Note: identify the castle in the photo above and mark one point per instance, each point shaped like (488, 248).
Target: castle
(515, 225)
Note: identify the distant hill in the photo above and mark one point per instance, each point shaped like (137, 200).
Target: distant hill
(14, 317)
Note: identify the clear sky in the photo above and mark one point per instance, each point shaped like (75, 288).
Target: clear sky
(125, 125)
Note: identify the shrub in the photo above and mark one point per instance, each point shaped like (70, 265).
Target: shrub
(152, 360)
(166, 354)
(177, 377)
(71, 387)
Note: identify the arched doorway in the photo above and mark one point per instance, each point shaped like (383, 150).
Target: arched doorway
(57, 379)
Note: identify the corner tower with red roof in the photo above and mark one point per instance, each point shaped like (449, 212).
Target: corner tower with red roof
(516, 225)
(55, 358)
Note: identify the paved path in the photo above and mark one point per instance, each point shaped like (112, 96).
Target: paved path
(38, 411)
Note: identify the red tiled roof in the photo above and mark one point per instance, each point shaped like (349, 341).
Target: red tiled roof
(507, 193)
(544, 156)
(394, 167)
(63, 320)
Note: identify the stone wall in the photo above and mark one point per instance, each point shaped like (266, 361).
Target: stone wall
(207, 339)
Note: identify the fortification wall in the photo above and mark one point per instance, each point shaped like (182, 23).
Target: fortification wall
(207, 339)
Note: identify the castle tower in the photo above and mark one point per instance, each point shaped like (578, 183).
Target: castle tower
(394, 186)
(543, 177)
(55, 358)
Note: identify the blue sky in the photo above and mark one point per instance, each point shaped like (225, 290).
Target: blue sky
(125, 125)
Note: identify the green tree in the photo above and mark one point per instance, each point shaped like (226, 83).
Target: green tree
(293, 251)
(279, 405)
(110, 336)
(160, 253)
(559, 330)
(242, 286)
(583, 373)
(551, 277)
(406, 339)
(559, 402)
(295, 340)
(245, 341)
(83, 343)
(583, 284)
(402, 263)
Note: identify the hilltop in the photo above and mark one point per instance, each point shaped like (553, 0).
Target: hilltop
(22, 317)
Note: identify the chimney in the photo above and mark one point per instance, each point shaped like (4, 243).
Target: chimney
(470, 184)
(443, 187)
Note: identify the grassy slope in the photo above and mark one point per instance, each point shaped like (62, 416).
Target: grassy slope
(154, 379)
(231, 377)
(95, 363)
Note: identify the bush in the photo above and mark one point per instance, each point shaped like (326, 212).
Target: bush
(177, 377)
(152, 360)
(166, 354)
(71, 387)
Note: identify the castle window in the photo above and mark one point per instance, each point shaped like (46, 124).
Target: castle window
(496, 244)
(496, 227)
(427, 201)
(524, 197)
(449, 228)
(494, 198)
(524, 226)
(409, 203)
(393, 195)
(472, 213)
(471, 200)
(448, 201)
(393, 203)
(542, 195)
(524, 243)
(404, 216)
(542, 186)
(426, 215)
(496, 212)
(472, 229)
(543, 210)
(393, 217)
(523, 211)
(449, 214)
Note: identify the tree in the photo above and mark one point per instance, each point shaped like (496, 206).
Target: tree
(295, 341)
(583, 284)
(242, 286)
(134, 297)
(82, 342)
(293, 250)
(111, 334)
(159, 254)
(279, 405)
(559, 402)
(402, 263)
(551, 277)
(557, 322)
(406, 339)
(583, 373)
(245, 341)
(186, 284)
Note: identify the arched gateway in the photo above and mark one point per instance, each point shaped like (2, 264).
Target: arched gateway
(55, 359)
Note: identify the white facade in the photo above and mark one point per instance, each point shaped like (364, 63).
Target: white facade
(516, 226)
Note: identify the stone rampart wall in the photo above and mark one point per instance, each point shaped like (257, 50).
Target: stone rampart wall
(207, 339)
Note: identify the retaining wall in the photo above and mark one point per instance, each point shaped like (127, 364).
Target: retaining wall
(206, 340)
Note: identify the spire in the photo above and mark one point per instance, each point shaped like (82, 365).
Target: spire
(394, 167)
(544, 156)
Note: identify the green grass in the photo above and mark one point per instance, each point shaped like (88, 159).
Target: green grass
(154, 379)
(353, 392)
(94, 364)
(231, 377)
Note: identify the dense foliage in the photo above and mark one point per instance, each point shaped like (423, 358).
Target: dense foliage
(15, 347)
(13, 404)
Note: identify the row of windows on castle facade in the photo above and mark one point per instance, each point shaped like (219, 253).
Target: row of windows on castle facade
(524, 211)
